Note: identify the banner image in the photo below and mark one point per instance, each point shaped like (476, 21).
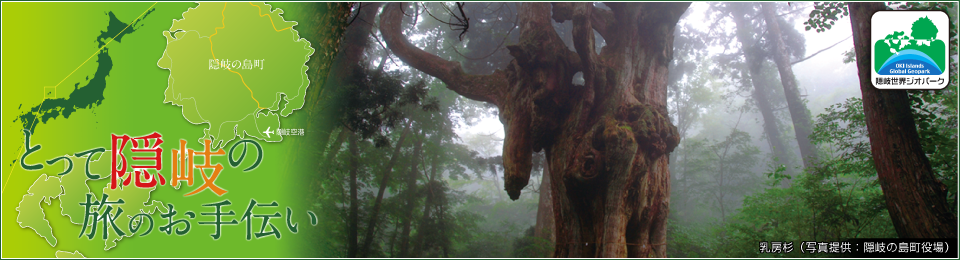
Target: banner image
(479, 129)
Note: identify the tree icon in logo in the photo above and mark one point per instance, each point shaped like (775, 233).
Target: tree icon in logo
(924, 29)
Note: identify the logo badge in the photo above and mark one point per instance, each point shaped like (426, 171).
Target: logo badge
(910, 50)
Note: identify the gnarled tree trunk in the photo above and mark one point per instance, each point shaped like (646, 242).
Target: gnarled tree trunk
(607, 141)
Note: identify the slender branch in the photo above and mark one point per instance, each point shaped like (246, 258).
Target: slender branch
(495, 50)
(488, 88)
(463, 23)
(384, 49)
(794, 11)
(818, 52)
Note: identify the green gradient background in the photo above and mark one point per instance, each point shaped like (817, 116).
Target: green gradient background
(44, 42)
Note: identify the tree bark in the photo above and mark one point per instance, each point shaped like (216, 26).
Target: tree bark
(802, 123)
(761, 92)
(411, 198)
(354, 204)
(916, 200)
(607, 141)
(387, 169)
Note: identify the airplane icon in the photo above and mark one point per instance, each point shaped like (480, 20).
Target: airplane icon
(267, 132)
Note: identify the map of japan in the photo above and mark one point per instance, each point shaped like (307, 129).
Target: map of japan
(238, 67)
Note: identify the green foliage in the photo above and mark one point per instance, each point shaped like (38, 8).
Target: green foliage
(937, 126)
(818, 207)
(374, 105)
(838, 199)
(935, 111)
(692, 94)
(373, 102)
(690, 240)
(713, 177)
(849, 56)
(491, 243)
(825, 15)
(446, 221)
(530, 246)
(915, 6)
(843, 128)
(731, 161)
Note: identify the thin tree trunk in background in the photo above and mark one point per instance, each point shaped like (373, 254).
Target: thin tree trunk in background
(496, 179)
(354, 204)
(916, 200)
(430, 188)
(355, 40)
(393, 239)
(761, 92)
(387, 169)
(545, 215)
(802, 123)
(334, 148)
(405, 238)
(434, 166)
(441, 222)
(411, 198)
(424, 221)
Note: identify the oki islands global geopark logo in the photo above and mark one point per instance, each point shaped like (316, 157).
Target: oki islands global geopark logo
(910, 50)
